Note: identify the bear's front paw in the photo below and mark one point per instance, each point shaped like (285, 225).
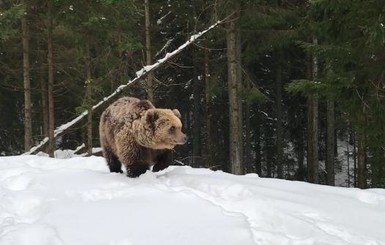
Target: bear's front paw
(136, 171)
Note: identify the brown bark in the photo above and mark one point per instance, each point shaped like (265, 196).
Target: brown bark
(44, 102)
(257, 143)
(197, 120)
(330, 143)
(89, 99)
(312, 159)
(362, 172)
(278, 102)
(51, 113)
(150, 76)
(361, 162)
(247, 145)
(310, 153)
(234, 100)
(27, 82)
(208, 111)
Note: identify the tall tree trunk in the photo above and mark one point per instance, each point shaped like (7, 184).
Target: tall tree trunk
(257, 143)
(197, 143)
(354, 136)
(330, 147)
(310, 139)
(315, 160)
(313, 164)
(247, 145)
(150, 76)
(208, 111)
(362, 174)
(278, 102)
(51, 113)
(235, 113)
(42, 55)
(268, 151)
(89, 98)
(27, 82)
(240, 82)
(44, 101)
(361, 161)
(301, 156)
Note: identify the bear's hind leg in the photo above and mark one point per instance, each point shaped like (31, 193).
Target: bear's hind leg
(113, 162)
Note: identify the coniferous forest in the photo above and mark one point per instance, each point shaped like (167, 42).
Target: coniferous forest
(285, 89)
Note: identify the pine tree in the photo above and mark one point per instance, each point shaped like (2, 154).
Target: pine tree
(352, 41)
(26, 79)
(234, 81)
(330, 156)
(149, 78)
(50, 90)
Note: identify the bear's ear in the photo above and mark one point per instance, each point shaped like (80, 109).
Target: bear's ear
(176, 113)
(152, 116)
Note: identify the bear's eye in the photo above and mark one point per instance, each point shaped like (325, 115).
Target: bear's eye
(171, 130)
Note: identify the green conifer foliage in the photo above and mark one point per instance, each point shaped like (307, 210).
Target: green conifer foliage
(352, 39)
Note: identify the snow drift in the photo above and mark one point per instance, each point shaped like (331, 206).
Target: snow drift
(47, 201)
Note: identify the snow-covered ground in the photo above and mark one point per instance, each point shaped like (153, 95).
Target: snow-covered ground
(76, 201)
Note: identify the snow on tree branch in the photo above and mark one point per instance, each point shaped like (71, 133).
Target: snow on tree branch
(139, 74)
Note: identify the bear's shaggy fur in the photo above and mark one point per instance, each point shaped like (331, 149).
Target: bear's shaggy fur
(136, 134)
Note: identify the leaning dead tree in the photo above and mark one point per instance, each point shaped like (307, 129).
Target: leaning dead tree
(139, 75)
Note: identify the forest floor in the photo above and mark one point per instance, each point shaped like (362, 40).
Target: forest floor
(76, 201)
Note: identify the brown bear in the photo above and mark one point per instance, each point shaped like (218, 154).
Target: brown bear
(136, 134)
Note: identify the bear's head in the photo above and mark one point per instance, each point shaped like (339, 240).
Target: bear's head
(162, 129)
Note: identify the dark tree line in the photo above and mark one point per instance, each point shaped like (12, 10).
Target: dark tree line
(285, 89)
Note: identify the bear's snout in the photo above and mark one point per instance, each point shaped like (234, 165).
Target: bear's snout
(182, 139)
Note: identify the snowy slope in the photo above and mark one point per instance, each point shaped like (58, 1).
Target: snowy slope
(75, 201)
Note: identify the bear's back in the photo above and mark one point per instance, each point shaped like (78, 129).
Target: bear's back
(128, 109)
